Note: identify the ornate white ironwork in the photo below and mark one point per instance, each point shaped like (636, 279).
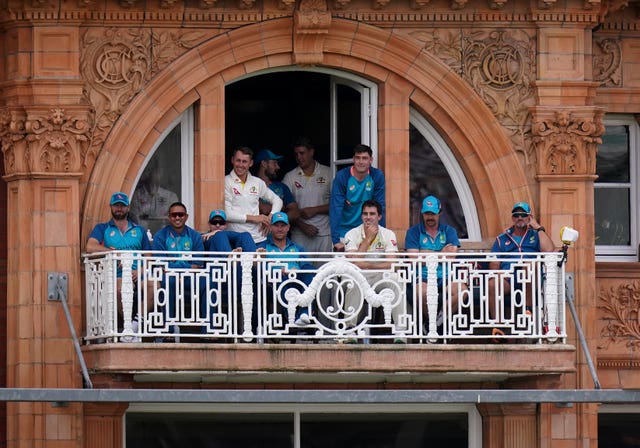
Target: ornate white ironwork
(247, 297)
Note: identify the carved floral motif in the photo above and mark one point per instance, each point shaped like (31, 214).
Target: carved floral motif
(607, 56)
(310, 26)
(567, 140)
(12, 131)
(116, 63)
(621, 306)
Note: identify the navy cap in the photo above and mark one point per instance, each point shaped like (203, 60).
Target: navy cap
(119, 198)
(265, 154)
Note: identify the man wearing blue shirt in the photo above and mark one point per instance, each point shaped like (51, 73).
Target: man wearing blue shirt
(286, 251)
(268, 168)
(179, 237)
(120, 233)
(352, 186)
(432, 236)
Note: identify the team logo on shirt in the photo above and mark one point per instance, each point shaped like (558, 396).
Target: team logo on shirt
(352, 187)
(113, 232)
(425, 240)
(134, 233)
(508, 243)
(173, 245)
(394, 242)
(367, 186)
(235, 191)
(532, 239)
(298, 185)
(321, 180)
(253, 190)
(187, 245)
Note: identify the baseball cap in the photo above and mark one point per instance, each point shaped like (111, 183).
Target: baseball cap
(280, 217)
(217, 214)
(265, 154)
(521, 206)
(119, 198)
(431, 204)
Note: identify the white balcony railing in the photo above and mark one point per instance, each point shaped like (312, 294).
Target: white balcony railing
(248, 297)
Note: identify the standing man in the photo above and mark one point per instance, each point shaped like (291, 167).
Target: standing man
(178, 237)
(242, 194)
(310, 185)
(283, 249)
(432, 236)
(525, 235)
(268, 168)
(120, 233)
(351, 188)
(371, 237)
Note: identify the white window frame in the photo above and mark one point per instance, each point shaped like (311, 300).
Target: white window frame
(474, 418)
(456, 174)
(630, 252)
(185, 121)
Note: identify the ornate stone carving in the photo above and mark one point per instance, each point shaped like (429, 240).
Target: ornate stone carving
(12, 133)
(500, 66)
(445, 44)
(116, 63)
(497, 4)
(128, 3)
(621, 306)
(310, 26)
(419, 4)
(246, 4)
(167, 3)
(607, 56)
(206, 4)
(458, 4)
(341, 4)
(379, 4)
(286, 4)
(566, 139)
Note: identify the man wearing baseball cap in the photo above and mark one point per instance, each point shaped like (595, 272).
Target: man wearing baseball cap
(433, 236)
(525, 235)
(280, 247)
(120, 233)
(268, 168)
(219, 239)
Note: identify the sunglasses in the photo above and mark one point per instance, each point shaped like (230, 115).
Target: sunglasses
(217, 223)
(520, 215)
(177, 215)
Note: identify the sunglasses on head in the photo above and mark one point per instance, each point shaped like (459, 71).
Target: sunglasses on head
(217, 223)
(520, 215)
(177, 215)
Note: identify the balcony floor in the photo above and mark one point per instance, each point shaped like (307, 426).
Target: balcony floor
(328, 363)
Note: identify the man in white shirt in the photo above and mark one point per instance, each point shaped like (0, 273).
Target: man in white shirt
(242, 194)
(371, 237)
(310, 184)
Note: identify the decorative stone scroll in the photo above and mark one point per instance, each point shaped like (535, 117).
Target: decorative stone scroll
(607, 58)
(566, 139)
(621, 306)
(311, 23)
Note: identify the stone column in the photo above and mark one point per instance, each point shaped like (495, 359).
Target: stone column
(44, 134)
(509, 425)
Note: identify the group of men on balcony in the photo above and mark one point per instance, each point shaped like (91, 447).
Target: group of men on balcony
(344, 215)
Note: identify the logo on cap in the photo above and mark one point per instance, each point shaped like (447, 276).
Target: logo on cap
(119, 198)
(431, 204)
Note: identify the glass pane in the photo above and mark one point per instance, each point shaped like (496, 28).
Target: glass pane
(612, 161)
(384, 430)
(429, 176)
(160, 184)
(618, 430)
(147, 430)
(612, 217)
(349, 120)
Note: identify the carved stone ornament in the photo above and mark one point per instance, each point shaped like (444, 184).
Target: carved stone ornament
(116, 64)
(621, 306)
(566, 140)
(499, 66)
(607, 57)
(311, 23)
(12, 133)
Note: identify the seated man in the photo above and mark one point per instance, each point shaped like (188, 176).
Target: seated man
(433, 236)
(120, 233)
(371, 237)
(525, 235)
(219, 239)
(282, 248)
(179, 237)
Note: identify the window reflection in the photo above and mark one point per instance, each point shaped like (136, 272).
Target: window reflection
(428, 175)
(160, 184)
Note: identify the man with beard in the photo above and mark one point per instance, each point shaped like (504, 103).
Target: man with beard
(242, 194)
(525, 235)
(268, 168)
(352, 186)
(433, 236)
(120, 233)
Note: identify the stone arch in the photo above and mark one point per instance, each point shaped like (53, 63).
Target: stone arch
(482, 148)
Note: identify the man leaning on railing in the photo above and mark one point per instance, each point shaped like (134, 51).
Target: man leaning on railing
(120, 233)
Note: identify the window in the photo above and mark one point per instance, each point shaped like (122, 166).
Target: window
(615, 191)
(618, 426)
